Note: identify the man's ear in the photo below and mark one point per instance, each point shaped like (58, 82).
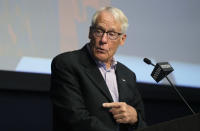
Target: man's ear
(90, 33)
(123, 39)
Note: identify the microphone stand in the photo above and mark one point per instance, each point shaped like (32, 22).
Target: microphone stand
(147, 61)
(181, 96)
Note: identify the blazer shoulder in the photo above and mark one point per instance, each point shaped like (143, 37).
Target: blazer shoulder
(68, 57)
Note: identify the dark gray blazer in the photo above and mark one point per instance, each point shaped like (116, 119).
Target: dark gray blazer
(78, 91)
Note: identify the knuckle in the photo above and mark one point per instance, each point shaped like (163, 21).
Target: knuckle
(123, 109)
(123, 103)
(125, 115)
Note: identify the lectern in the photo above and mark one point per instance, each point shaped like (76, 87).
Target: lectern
(188, 123)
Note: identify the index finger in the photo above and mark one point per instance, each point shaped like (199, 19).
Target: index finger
(111, 105)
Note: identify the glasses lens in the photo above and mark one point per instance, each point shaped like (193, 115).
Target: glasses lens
(98, 33)
(110, 34)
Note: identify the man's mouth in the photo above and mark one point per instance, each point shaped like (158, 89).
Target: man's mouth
(100, 50)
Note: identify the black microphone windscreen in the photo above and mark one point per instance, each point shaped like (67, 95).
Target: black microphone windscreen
(146, 60)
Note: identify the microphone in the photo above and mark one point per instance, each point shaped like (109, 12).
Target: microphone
(160, 71)
(147, 61)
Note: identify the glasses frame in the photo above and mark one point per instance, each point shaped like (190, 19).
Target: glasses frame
(94, 32)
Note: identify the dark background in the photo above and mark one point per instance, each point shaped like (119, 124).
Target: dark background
(25, 103)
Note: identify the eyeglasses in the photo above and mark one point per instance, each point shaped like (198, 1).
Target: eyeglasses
(110, 34)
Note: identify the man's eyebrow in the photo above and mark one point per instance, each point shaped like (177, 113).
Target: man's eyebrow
(111, 29)
(102, 28)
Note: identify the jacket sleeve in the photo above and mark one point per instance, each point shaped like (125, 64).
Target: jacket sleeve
(133, 100)
(69, 109)
(138, 105)
(140, 112)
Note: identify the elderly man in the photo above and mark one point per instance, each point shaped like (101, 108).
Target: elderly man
(91, 91)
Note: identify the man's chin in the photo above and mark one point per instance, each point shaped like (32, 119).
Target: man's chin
(101, 57)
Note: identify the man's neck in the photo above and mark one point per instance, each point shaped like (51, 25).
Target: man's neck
(108, 64)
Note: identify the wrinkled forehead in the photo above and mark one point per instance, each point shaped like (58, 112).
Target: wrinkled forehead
(107, 21)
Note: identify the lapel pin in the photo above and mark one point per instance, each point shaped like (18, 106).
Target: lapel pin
(123, 80)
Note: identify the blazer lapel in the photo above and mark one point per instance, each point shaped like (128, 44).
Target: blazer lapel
(123, 88)
(95, 75)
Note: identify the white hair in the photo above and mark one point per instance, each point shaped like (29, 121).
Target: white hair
(118, 15)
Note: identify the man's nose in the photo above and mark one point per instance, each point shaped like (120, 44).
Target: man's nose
(104, 38)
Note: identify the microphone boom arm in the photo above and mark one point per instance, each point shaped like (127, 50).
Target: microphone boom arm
(181, 96)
